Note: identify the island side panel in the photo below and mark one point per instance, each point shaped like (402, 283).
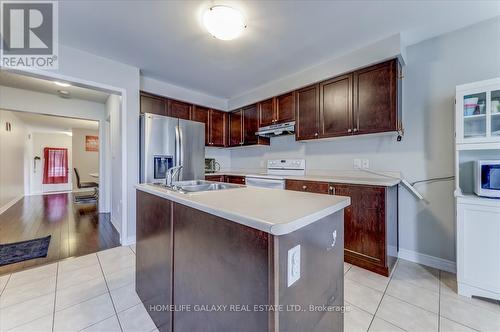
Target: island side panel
(321, 280)
(154, 257)
(218, 262)
(392, 213)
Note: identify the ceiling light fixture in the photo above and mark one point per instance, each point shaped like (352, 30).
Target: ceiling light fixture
(223, 22)
(63, 93)
(63, 84)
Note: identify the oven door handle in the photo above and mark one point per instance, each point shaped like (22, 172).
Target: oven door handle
(265, 183)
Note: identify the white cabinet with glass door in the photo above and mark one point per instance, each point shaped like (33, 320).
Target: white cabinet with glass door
(478, 112)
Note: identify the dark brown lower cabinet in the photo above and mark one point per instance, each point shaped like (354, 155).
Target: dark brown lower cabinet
(188, 257)
(154, 257)
(217, 178)
(235, 179)
(370, 225)
(308, 186)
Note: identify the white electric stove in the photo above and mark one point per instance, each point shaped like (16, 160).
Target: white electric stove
(277, 170)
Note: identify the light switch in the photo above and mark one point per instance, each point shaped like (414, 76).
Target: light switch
(365, 163)
(293, 265)
(357, 163)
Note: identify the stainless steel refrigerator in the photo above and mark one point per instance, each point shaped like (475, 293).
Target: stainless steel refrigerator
(168, 142)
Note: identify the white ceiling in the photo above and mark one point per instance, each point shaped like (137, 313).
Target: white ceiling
(48, 123)
(165, 38)
(40, 85)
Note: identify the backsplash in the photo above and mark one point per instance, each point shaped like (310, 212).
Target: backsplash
(336, 154)
(222, 156)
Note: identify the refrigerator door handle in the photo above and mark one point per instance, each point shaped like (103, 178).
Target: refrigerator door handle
(177, 145)
(181, 153)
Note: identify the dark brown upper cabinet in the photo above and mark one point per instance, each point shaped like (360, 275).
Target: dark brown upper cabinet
(250, 124)
(307, 112)
(267, 112)
(285, 107)
(277, 110)
(365, 101)
(215, 124)
(218, 128)
(243, 124)
(153, 104)
(236, 128)
(201, 114)
(376, 98)
(178, 109)
(335, 111)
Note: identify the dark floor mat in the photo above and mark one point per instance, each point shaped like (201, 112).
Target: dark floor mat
(11, 253)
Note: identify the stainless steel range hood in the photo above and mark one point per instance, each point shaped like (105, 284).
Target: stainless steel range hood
(286, 128)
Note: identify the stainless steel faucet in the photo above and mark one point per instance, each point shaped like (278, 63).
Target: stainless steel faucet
(171, 174)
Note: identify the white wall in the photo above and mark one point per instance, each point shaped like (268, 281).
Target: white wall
(169, 90)
(85, 161)
(40, 141)
(434, 68)
(221, 155)
(12, 159)
(87, 69)
(113, 171)
(376, 52)
(44, 103)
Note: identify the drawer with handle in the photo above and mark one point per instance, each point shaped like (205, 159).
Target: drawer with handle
(235, 179)
(308, 186)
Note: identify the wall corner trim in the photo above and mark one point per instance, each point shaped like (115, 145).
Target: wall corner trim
(427, 260)
(9, 204)
(128, 241)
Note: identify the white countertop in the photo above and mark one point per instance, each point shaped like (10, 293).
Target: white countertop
(348, 177)
(274, 211)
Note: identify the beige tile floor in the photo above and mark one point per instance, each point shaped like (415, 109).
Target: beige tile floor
(96, 293)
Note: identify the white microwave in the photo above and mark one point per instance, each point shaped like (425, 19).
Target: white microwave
(487, 178)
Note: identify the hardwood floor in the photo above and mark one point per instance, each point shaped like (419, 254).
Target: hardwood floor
(76, 229)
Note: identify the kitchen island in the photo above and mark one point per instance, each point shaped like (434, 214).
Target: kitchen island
(371, 221)
(243, 259)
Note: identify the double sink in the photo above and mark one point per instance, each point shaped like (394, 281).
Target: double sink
(194, 186)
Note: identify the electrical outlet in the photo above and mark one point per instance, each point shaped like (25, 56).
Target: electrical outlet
(365, 163)
(293, 273)
(357, 163)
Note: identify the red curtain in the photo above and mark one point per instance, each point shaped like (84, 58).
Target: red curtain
(55, 165)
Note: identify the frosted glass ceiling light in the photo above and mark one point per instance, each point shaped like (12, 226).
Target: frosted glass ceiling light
(223, 22)
(63, 84)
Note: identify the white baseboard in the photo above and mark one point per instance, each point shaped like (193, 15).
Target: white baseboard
(427, 260)
(9, 204)
(116, 224)
(128, 241)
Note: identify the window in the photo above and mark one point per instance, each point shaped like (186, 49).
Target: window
(55, 165)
